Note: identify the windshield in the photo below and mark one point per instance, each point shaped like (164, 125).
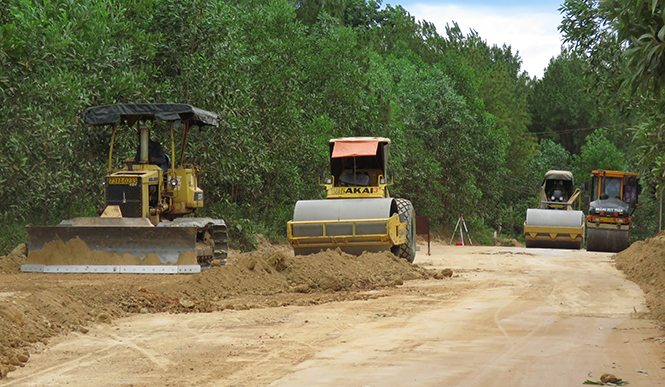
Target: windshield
(612, 187)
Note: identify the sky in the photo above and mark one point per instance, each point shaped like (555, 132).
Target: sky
(528, 27)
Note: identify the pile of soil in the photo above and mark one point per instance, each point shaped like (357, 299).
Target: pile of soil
(644, 263)
(35, 307)
(12, 262)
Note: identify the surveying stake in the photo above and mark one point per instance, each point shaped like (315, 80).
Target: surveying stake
(461, 219)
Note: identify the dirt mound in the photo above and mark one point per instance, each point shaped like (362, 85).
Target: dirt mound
(35, 307)
(644, 264)
(12, 262)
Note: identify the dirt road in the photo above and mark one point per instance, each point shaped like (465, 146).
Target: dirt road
(507, 317)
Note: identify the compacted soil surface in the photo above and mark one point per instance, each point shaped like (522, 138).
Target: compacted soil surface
(36, 307)
(463, 316)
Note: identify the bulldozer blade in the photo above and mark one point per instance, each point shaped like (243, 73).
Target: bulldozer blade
(611, 241)
(103, 248)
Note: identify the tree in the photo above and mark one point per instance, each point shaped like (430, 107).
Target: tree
(651, 137)
(60, 57)
(624, 43)
(597, 153)
(559, 103)
(523, 192)
(309, 11)
(550, 156)
(641, 25)
(451, 156)
(284, 77)
(503, 89)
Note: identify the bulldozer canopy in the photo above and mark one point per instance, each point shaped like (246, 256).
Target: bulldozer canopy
(130, 113)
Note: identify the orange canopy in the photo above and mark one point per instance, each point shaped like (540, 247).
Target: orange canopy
(354, 148)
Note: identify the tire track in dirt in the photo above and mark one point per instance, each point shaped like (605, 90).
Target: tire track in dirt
(60, 369)
(37, 307)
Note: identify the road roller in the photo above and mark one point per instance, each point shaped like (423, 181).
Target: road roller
(614, 196)
(558, 221)
(358, 213)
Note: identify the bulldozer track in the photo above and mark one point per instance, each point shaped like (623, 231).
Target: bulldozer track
(221, 238)
(214, 235)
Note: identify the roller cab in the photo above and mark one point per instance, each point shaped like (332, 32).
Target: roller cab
(558, 221)
(358, 214)
(614, 198)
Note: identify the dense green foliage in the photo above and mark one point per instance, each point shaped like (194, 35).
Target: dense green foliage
(561, 108)
(597, 153)
(622, 43)
(286, 77)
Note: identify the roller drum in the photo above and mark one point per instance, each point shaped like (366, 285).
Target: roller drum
(557, 229)
(554, 244)
(344, 209)
(610, 241)
(337, 211)
(554, 218)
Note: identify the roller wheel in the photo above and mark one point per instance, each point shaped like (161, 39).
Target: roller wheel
(611, 241)
(406, 214)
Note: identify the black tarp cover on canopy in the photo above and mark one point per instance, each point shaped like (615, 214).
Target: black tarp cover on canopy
(130, 113)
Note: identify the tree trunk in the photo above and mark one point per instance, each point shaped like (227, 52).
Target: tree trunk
(660, 210)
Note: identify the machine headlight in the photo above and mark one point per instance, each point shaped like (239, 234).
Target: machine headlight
(328, 180)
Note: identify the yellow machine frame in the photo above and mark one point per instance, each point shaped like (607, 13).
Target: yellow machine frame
(342, 189)
(557, 235)
(609, 223)
(142, 227)
(378, 190)
(552, 233)
(395, 234)
(176, 190)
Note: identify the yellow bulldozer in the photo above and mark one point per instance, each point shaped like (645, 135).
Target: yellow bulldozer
(358, 214)
(558, 221)
(143, 227)
(614, 198)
